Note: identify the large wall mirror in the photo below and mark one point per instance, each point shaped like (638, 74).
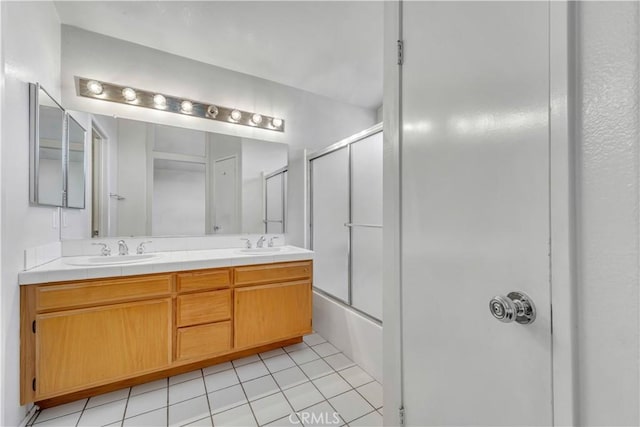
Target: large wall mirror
(157, 180)
(57, 153)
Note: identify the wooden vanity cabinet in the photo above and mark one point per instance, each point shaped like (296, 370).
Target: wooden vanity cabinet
(262, 313)
(77, 335)
(87, 337)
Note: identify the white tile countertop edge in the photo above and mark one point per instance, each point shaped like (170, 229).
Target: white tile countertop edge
(59, 270)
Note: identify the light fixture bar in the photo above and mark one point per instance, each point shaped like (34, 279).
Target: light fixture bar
(173, 104)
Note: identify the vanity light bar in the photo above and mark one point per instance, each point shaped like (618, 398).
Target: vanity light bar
(91, 88)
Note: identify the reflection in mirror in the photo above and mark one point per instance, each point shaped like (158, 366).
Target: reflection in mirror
(76, 169)
(47, 124)
(276, 190)
(171, 181)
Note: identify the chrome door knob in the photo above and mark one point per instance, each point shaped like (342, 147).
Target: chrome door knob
(516, 306)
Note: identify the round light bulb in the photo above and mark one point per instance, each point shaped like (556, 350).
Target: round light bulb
(236, 115)
(187, 106)
(256, 119)
(160, 101)
(95, 87)
(212, 111)
(276, 122)
(129, 94)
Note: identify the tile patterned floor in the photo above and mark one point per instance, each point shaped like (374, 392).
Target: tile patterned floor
(308, 384)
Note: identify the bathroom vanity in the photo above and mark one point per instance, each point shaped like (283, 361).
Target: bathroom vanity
(86, 336)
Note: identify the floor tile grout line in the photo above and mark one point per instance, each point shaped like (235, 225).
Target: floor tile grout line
(364, 397)
(282, 391)
(126, 405)
(322, 394)
(245, 395)
(82, 412)
(33, 417)
(167, 419)
(375, 411)
(344, 378)
(206, 394)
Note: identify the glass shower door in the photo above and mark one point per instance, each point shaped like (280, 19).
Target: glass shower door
(366, 225)
(329, 213)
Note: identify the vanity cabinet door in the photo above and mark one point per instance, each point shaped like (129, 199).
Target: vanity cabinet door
(269, 313)
(77, 349)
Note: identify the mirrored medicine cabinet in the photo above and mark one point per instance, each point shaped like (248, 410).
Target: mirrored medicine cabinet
(57, 164)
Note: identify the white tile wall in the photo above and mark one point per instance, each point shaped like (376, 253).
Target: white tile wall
(40, 255)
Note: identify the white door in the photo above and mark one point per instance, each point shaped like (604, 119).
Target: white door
(225, 196)
(475, 212)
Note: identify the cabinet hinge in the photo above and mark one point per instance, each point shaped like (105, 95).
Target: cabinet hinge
(33, 326)
(401, 415)
(400, 52)
(33, 384)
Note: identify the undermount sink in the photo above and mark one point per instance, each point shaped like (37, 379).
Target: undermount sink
(111, 260)
(259, 250)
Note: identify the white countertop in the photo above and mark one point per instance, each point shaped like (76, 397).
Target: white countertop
(59, 270)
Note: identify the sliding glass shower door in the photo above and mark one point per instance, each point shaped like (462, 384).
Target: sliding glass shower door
(346, 221)
(366, 225)
(330, 211)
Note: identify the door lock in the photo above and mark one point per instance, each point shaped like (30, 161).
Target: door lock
(516, 306)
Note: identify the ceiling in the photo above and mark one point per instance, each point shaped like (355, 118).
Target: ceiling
(330, 48)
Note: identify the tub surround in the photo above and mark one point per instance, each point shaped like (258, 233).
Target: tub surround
(89, 330)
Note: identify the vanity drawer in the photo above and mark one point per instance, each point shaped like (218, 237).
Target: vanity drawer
(203, 307)
(270, 273)
(203, 340)
(203, 280)
(100, 292)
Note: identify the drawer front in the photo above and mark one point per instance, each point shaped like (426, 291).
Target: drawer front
(203, 307)
(271, 273)
(203, 340)
(70, 295)
(200, 281)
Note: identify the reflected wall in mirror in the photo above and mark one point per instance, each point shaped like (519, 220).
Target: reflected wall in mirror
(76, 166)
(170, 181)
(46, 180)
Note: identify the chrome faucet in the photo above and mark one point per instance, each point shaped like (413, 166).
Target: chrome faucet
(260, 242)
(105, 250)
(271, 241)
(141, 247)
(123, 249)
(248, 243)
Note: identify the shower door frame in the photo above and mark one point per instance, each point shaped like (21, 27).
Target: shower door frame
(284, 172)
(343, 144)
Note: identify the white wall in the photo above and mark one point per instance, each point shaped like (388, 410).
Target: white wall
(311, 121)
(258, 158)
(607, 209)
(31, 54)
